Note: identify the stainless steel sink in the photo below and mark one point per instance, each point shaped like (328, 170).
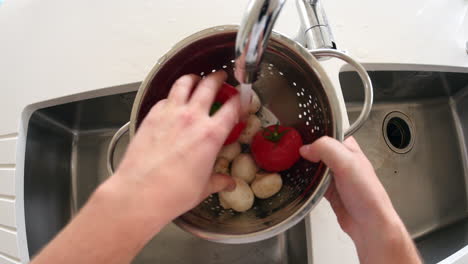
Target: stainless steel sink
(65, 161)
(416, 138)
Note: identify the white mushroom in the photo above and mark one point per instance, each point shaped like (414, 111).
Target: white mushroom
(244, 167)
(223, 203)
(266, 185)
(230, 151)
(255, 103)
(221, 166)
(240, 199)
(254, 124)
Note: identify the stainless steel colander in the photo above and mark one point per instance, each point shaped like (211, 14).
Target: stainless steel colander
(294, 90)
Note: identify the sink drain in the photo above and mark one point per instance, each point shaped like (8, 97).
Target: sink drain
(398, 132)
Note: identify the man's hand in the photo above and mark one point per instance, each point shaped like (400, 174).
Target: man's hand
(166, 171)
(362, 206)
(173, 153)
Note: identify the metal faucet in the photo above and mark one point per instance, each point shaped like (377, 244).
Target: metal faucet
(256, 27)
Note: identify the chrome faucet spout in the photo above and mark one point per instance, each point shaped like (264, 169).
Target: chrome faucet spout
(256, 27)
(316, 31)
(253, 35)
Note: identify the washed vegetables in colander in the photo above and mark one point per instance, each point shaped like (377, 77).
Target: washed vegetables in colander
(266, 185)
(273, 149)
(244, 167)
(253, 125)
(230, 151)
(276, 148)
(240, 199)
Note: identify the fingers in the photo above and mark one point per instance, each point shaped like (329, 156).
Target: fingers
(333, 153)
(182, 88)
(204, 94)
(228, 115)
(220, 182)
(159, 105)
(155, 112)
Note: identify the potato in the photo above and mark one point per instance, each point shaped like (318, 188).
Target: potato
(244, 167)
(240, 199)
(255, 103)
(266, 185)
(254, 124)
(221, 166)
(230, 151)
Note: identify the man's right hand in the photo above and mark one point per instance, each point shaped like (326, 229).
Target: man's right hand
(361, 204)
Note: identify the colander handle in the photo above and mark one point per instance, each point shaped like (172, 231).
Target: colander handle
(368, 90)
(113, 144)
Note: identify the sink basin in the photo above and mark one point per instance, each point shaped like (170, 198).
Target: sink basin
(65, 160)
(416, 139)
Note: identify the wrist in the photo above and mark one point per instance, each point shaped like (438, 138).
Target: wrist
(379, 227)
(130, 207)
(386, 240)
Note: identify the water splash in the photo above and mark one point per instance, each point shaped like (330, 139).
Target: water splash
(245, 91)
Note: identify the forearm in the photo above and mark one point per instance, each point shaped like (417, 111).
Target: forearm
(388, 243)
(111, 228)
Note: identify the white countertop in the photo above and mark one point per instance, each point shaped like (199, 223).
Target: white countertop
(54, 48)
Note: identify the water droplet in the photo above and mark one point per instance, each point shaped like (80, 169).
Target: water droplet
(300, 116)
(202, 73)
(294, 83)
(298, 94)
(281, 73)
(307, 123)
(232, 61)
(224, 66)
(213, 70)
(300, 105)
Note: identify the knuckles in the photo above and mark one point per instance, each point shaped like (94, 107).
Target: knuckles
(187, 117)
(184, 81)
(212, 133)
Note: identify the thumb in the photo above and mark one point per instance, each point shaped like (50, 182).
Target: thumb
(220, 182)
(333, 153)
